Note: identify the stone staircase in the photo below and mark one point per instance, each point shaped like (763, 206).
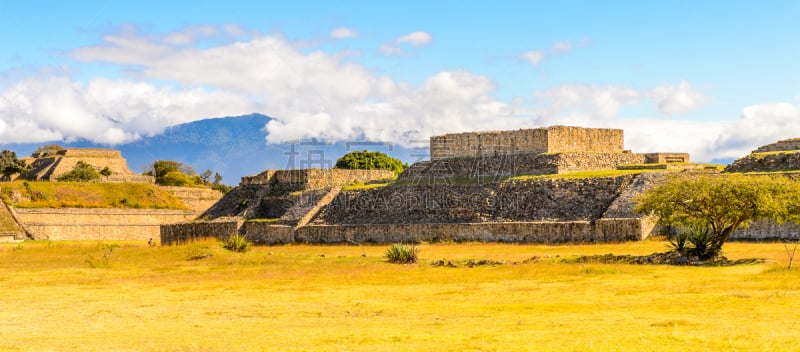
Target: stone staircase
(622, 206)
(9, 237)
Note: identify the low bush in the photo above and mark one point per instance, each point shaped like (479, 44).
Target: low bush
(402, 253)
(237, 243)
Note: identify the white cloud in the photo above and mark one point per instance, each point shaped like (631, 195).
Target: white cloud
(534, 57)
(605, 102)
(415, 38)
(342, 33)
(592, 101)
(189, 35)
(322, 95)
(104, 111)
(318, 94)
(677, 99)
(758, 125)
(707, 140)
(388, 49)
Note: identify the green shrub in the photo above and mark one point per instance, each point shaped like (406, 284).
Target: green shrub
(367, 160)
(402, 253)
(237, 243)
(82, 172)
(105, 171)
(176, 178)
(221, 188)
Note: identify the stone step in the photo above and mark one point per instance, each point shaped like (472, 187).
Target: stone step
(9, 237)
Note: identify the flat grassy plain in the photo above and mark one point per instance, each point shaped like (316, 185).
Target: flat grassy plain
(199, 297)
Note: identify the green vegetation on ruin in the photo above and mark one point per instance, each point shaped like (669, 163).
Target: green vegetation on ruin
(584, 174)
(88, 195)
(366, 160)
(362, 186)
(264, 220)
(761, 155)
(681, 165)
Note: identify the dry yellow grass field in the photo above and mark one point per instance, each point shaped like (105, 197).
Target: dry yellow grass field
(66, 296)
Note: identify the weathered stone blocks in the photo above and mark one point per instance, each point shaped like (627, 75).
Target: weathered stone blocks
(554, 139)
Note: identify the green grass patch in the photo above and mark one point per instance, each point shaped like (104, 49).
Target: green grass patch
(362, 186)
(88, 195)
(265, 220)
(763, 154)
(583, 174)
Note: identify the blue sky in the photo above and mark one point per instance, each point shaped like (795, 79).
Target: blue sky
(713, 78)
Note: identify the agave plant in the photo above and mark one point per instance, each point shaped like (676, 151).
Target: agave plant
(402, 253)
(237, 243)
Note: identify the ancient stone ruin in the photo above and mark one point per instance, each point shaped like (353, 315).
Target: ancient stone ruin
(284, 206)
(49, 166)
(549, 150)
(779, 156)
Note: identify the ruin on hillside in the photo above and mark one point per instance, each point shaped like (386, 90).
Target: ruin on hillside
(48, 166)
(780, 156)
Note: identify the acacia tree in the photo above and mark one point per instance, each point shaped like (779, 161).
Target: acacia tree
(709, 207)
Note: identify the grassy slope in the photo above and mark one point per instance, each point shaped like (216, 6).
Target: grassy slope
(292, 298)
(90, 195)
(7, 223)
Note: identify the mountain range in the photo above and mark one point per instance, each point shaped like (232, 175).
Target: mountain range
(232, 146)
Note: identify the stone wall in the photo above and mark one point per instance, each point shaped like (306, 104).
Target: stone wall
(509, 201)
(608, 230)
(496, 167)
(266, 233)
(491, 143)
(768, 230)
(517, 232)
(571, 162)
(554, 139)
(89, 153)
(198, 199)
(98, 224)
(188, 232)
(566, 139)
(784, 145)
(311, 179)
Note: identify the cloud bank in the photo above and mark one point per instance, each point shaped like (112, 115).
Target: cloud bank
(312, 93)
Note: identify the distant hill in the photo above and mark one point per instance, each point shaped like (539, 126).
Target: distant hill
(233, 146)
